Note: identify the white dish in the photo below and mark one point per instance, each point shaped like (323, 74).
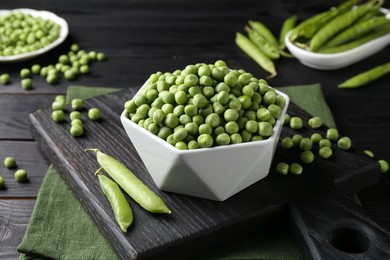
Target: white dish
(215, 173)
(45, 15)
(338, 60)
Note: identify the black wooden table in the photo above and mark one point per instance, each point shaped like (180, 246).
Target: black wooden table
(142, 37)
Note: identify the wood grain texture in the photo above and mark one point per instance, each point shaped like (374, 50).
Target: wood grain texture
(28, 156)
(14, 218)
(193, 220)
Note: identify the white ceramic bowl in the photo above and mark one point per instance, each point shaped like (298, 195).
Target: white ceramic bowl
(214, 173)
(338, 60)
(45, 15)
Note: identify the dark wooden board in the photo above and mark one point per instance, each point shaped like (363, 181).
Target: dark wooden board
(194, 222)
(15, 215)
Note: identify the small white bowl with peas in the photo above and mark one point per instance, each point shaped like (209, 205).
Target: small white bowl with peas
(45, 31)
(194, 164)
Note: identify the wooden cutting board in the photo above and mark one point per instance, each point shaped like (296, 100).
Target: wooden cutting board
(197, 225)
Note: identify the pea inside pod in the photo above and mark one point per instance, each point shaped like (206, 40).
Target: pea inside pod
(119, 204)
(133, 186)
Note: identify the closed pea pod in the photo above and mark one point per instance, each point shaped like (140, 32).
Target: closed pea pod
(357, 30)
(256, 54)
(264, 31)
(134, 187)
(366, 77)
(268, 49)
(288, 24)
(119, 204)
(338, 24)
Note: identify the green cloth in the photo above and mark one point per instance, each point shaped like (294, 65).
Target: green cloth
(59, 227)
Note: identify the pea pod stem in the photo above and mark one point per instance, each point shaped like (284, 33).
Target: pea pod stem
(119, 204)
(366, 77)
(133, 186)
(256, 54)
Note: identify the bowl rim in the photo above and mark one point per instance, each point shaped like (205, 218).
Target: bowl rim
(64, 31)
(278, 126)
(293, 48)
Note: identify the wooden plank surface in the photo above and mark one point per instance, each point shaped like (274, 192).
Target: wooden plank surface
(192, 219)
(141, 37)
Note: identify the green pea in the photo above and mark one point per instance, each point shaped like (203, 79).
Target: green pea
(332, 134)
(230, 115)
(191, 80)
(344, 143)
(316, 138)
(244, 78)
(52, 78)
(84, 69)
(223, 97)
(10, 162)
(76, 121)
(139, 100)
(263, 114)
(269, 97)
(325, 152)
(287, 143)
(205, 141)
(296, 169)
(230, 79)
(213, 120)
(275, 110)
(167, 108)
(231, 127)
(75, 115)
(58, 115)
(5, 79)
(130, 106)
(325, 143)
(25, 73)
(286, 119)
(282, 168)
(306, 144)
(307, 156)
(204, 70)
(180, 134)
(171, 120)
(26, 83)
(192, 145)
(58, 105)
(100, 56)
(208, 92)
(280, 101)
(251, 126)
(297, 138)
(222, 139)
(245, 135)
(222, 87)
(198, 119)
(153, 128)
(315, 122)
(77, 104)
(181, 145)
(70, 74)
(296, 123)
(265, 129)
(200, 101)
(248, 91)
(235, 138)
(205, 129)
(256, 138)
(164, 132)
(76, 130)
(384, 165)
(94, 113)
(2, 182)
(245, 101)
(21, 175)
(36, 69)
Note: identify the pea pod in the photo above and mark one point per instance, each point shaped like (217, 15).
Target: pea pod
(310, 26)
(264, 31)
(366, 77)
(255, 53)
(133, 186)
(358, 30)
(288, 24)
(338, 24)
(268, 49)
(356, 43)
(119, 204)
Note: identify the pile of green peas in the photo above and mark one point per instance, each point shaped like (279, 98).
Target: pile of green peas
(22, 33)
(20, 175)
(305, 144)
(206, 105)
(77, 105)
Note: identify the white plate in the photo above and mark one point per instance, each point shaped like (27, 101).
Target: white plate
(45, 15)
(338, 60)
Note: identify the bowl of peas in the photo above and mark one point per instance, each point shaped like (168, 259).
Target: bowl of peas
(26, 33)
(340, 36)
(206, 131)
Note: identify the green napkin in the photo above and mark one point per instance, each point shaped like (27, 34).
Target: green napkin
(59, 227)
